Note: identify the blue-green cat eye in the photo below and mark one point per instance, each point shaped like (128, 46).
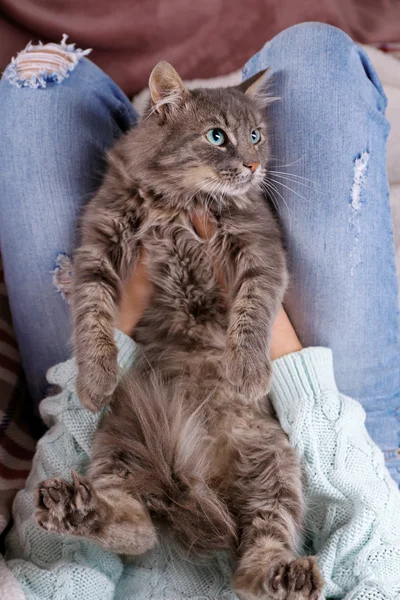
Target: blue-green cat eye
(255, 136)
(216, 136)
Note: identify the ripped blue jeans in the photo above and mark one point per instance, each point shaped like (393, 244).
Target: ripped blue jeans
(327, 179)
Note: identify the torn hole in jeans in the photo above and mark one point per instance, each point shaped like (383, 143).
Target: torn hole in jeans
(62, 276)
(39, 64)
(356, 204)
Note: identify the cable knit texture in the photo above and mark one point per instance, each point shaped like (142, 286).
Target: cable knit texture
(353, 505)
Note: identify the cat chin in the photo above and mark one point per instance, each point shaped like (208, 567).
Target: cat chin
(240, 190)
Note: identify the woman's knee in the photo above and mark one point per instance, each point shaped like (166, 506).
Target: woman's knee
(54, 86)
(35, 84)
(37, 66)
(312, 38)
(309, 44)
(35, 100)
(317, 58)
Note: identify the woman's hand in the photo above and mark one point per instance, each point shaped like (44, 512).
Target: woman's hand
(138, 290)
(284, 339)
(136, 296)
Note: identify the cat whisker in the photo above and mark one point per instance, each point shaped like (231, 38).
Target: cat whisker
(290, 189)
(293, 175)
(225, 189)
(266, 187)
(290, 180)
(304, 181)
(219, 194)
(271, 197)
(271, 186)
(208, 201)
(287, 164)
(202, 184)
(269, 191)
(285, 203)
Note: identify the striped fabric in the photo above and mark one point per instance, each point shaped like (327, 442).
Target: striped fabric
(19, 429)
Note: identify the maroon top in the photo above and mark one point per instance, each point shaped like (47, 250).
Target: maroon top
(201, 38)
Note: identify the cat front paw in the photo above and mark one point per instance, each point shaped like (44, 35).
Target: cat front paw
(66, 507)
(96, 381)
(247, 373)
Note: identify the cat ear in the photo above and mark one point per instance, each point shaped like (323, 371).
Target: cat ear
(254, 85)
(166, 87)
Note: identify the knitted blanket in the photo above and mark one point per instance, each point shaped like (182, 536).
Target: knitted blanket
(353, 504)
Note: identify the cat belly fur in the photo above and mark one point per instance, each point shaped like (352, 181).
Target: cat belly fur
(191, 449)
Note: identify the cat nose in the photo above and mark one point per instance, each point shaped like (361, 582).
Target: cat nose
(252, 166)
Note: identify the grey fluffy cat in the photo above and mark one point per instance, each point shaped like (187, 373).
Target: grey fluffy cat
(189, 441)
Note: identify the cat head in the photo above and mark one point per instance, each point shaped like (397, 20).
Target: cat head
(209, 140)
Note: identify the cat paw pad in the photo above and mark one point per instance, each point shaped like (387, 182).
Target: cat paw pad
(298, 580)
(63, 507)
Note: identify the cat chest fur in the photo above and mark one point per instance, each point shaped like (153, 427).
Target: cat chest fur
(188, 303)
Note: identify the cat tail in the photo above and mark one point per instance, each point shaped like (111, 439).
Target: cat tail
(170, 455)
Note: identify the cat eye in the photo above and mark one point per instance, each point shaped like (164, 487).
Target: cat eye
(255, 136)
(216, 136)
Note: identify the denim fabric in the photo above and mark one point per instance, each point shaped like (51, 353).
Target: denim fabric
(52, 156)
(328, 134)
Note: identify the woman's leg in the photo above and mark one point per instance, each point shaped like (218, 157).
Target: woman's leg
(53, 140)
(329, 146)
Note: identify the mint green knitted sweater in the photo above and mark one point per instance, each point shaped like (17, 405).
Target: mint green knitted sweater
(353, 504)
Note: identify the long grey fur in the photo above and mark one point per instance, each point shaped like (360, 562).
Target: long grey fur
(189, 442)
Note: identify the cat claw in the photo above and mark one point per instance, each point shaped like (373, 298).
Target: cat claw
(298, 580)
(63, 507)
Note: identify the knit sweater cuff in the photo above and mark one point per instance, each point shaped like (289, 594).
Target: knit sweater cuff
(300, 377)
(64, 374)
